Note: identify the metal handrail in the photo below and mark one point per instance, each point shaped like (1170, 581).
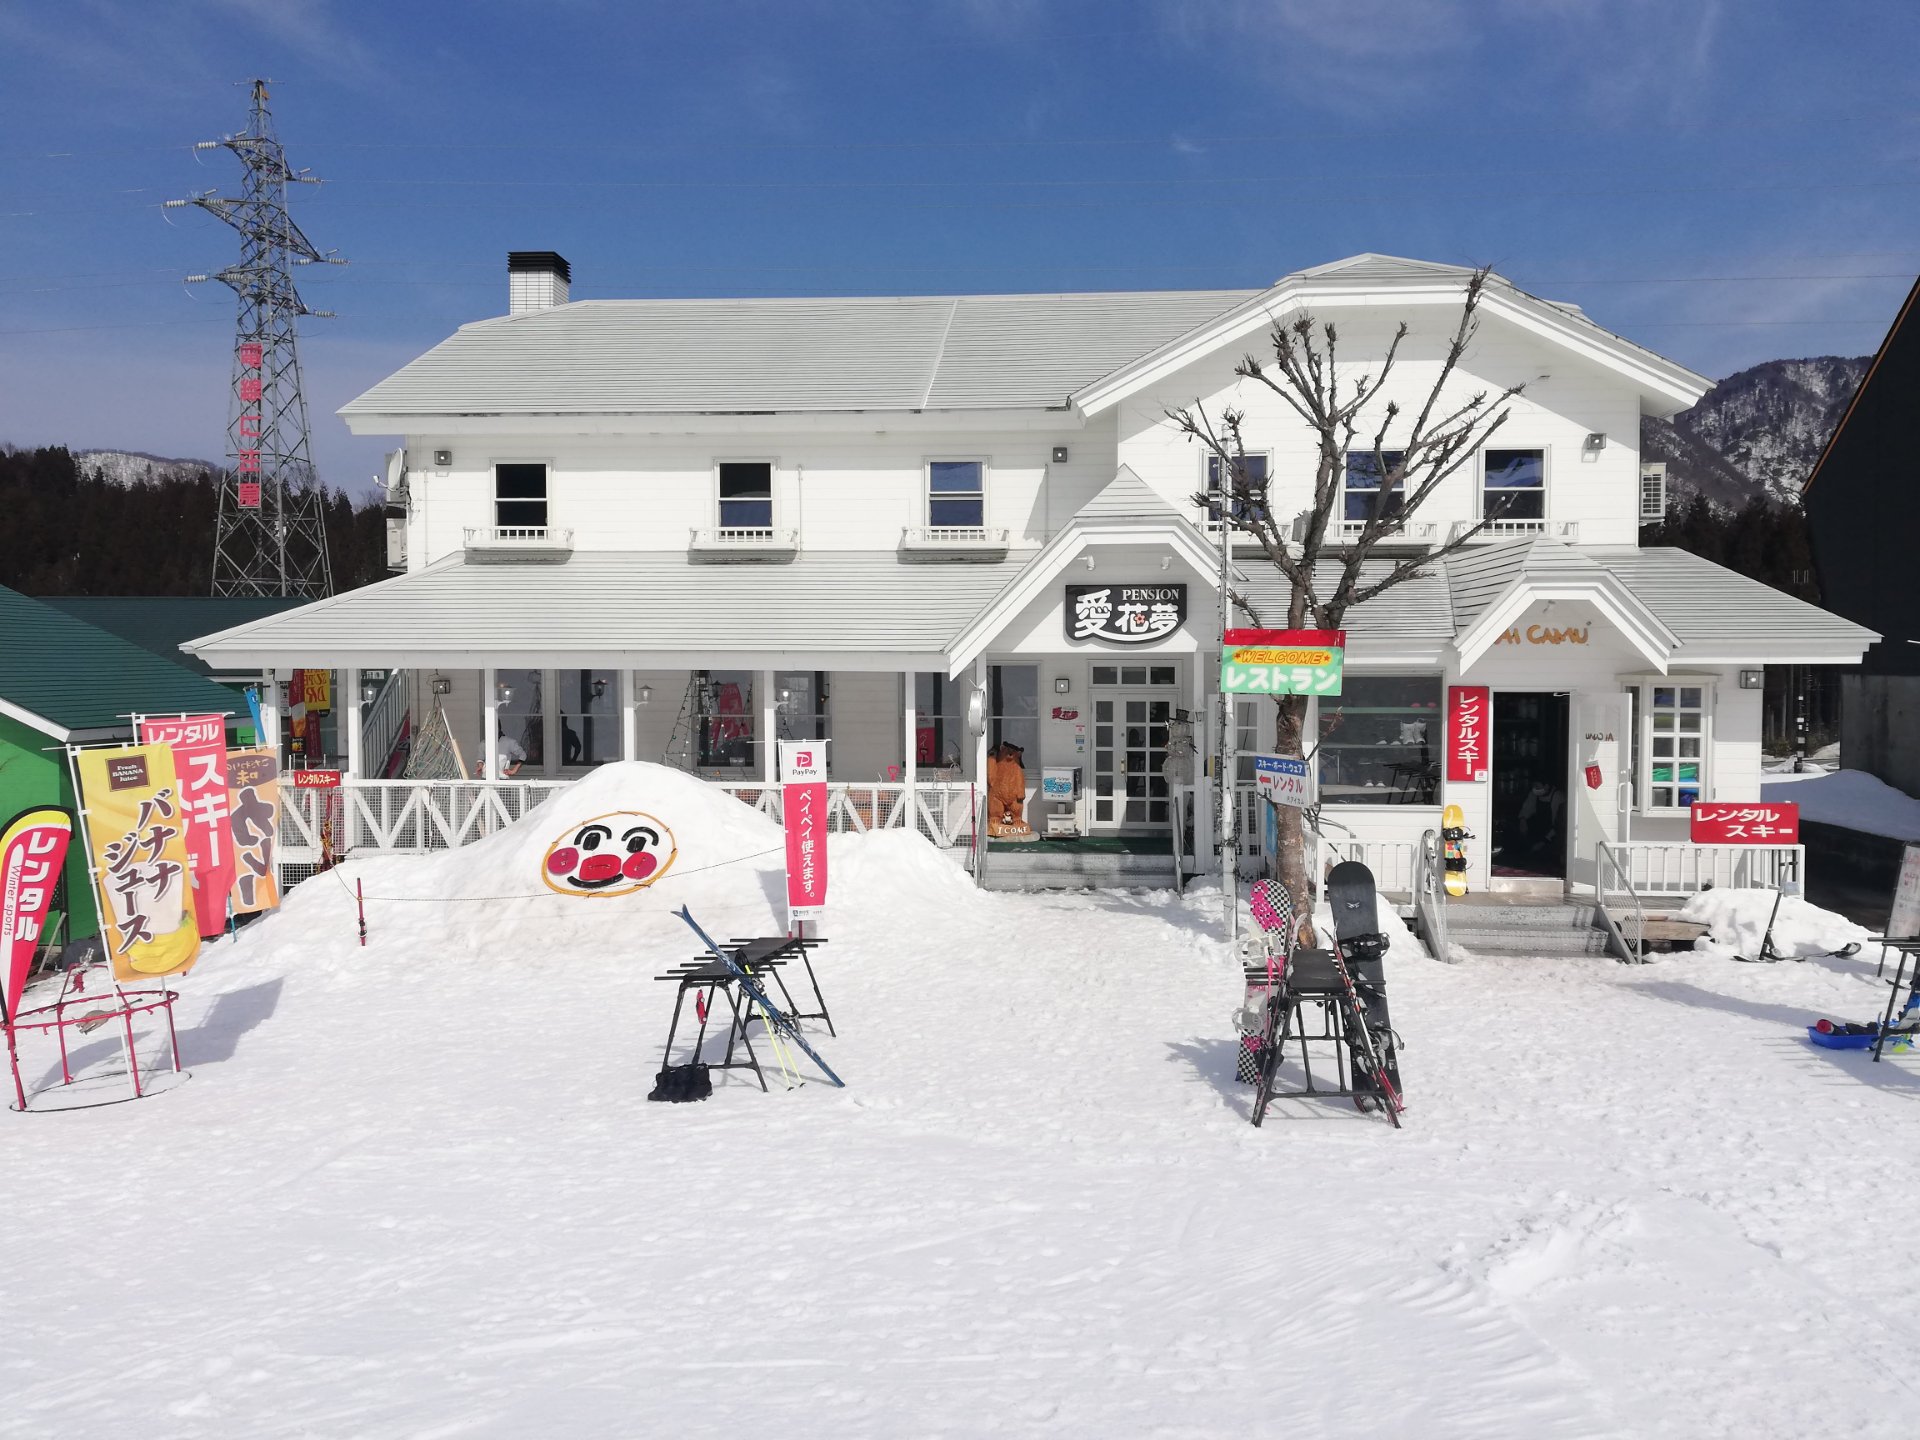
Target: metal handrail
(1429, 896)
(1605, 857)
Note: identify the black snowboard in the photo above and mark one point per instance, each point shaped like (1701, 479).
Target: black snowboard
(1363, 946)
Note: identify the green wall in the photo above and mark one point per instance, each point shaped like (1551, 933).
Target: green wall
(33, 775)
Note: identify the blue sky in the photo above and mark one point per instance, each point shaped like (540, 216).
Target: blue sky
(1725, 182)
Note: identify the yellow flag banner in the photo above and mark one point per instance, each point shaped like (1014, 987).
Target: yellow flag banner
(138, 842)
(253, 804)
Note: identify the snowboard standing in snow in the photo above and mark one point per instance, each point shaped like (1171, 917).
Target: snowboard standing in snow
(1264, 1018)
(1453, 836)
(1360, 947)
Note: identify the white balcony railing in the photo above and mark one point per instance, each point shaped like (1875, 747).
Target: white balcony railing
(1671, 869)
(421, 817)
(1492, 530)
(969, 540)
(518, 541)
(1417, 532)
(747, 542)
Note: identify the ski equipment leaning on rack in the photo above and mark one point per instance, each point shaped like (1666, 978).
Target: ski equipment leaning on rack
(1358, 937)
(778, 1021)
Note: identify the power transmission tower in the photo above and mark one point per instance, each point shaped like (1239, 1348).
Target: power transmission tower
(271, 538)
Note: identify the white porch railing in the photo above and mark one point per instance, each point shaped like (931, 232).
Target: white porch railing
(1672, 869)
(1430, 896)
(1394, 863)
(419, 817)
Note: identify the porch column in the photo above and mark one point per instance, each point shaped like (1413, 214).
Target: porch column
(629, 718)
(909, 765)
(270, 712)
(1205, 850)
(490, 719)
(350, 712)
(769, 715)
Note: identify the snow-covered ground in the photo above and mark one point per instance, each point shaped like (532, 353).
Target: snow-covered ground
(1851, 798)
(414, 1189)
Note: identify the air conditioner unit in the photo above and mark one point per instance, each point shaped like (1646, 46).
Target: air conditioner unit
(1653, 493)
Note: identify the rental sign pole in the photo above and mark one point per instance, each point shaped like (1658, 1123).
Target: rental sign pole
(803, 805)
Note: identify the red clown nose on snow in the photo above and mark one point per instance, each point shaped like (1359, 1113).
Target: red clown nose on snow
(614, 854)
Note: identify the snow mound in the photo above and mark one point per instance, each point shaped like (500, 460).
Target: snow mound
(1849, 798)
(1737, 922)
(489, 900)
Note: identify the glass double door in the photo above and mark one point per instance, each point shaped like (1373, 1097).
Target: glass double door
(1130, 731)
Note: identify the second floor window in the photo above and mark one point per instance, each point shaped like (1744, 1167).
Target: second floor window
(956, 494)
(1363, 485)
(1256, 486)
(520, 497)
(1516, 485)
(746, 495)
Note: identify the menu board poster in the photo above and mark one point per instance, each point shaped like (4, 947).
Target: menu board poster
(1904, 922)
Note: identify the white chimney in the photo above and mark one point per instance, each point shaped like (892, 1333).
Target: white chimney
(536, 280)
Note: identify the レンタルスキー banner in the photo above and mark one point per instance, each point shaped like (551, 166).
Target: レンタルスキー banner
(1468, 733)
(138, 851)
(33, 847)
(1282, 662)
(253, 802)
(199, 745)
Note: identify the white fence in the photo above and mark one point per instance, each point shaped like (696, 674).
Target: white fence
(1394, 863)
(418, 817)
(1654, 869)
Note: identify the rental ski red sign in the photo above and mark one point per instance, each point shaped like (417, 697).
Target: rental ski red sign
(803, 803)
(1467, 730)
(1744, 822)
(33, 847)
(199, 745)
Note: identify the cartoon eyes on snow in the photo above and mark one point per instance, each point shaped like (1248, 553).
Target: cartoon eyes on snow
(609, 855)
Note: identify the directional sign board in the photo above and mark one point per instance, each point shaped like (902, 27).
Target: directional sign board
(1284, 780)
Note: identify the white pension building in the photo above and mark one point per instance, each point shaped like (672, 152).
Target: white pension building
(677, 529)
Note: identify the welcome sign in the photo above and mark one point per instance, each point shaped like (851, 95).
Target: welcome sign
(1282, 662)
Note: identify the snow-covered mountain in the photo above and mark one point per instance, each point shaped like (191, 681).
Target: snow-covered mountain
(1756, 432)
(124, 467)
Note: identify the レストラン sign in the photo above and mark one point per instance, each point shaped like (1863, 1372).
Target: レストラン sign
(1282, 662)
(1125, 614)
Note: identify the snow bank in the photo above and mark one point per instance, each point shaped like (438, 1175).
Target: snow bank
(1738, 922)
(1850, 798)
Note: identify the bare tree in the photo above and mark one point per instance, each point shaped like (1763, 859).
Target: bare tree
(1411, 457)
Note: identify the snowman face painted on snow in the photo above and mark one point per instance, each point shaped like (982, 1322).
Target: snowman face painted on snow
(614, 854)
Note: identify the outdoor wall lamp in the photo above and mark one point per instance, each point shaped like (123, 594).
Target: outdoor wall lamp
(441, 685)
(1062, 685)
(505, 692)
(369, 692)
(1166, 562)
(599, 687)
(1087, 560)
(1591, 447)
(646, 694)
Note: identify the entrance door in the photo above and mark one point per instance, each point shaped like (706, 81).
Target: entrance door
(1601, 783)
(1130, 791)
(1529, 786)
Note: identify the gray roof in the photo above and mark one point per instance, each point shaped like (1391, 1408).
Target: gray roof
(610, 602)
(943, 352)
(1127, 497)
(1477, 576)
(1715, 612)
(1412, 614)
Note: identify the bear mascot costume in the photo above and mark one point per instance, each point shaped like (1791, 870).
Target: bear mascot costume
(1007, 793)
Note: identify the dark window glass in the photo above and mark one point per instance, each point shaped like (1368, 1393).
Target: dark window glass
(1256, 485)
(520, 496)
(1013, 703)
(1380, 741)
(726, 719)
(746, 495)
(956, 493)
(1363, 484)
(589, 716)
(1516, 485)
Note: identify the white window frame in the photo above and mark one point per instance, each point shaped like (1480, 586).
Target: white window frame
(1352, 527)
(773, 492)
(1641, 687)
(493, 491)
(1207, 461)
(927, 496)
(1546, 487)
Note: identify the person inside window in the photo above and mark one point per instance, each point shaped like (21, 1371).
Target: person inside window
(512, 756)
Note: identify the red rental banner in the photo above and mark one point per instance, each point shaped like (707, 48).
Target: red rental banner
(315, 779)
(199, 745)
(1467, 731)
(1744, 822)
(33, 847)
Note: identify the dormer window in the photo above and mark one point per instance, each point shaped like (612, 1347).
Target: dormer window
(956, 494)
(746, 495)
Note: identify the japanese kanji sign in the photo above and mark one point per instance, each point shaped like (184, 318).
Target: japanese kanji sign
(253, 806)
(803, 803)
(1282, 662)
(246, 427)
(33, 847)
(199, 745)
(1468, 708)
(1124, 614)
(1744, 822)
(139, 857)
